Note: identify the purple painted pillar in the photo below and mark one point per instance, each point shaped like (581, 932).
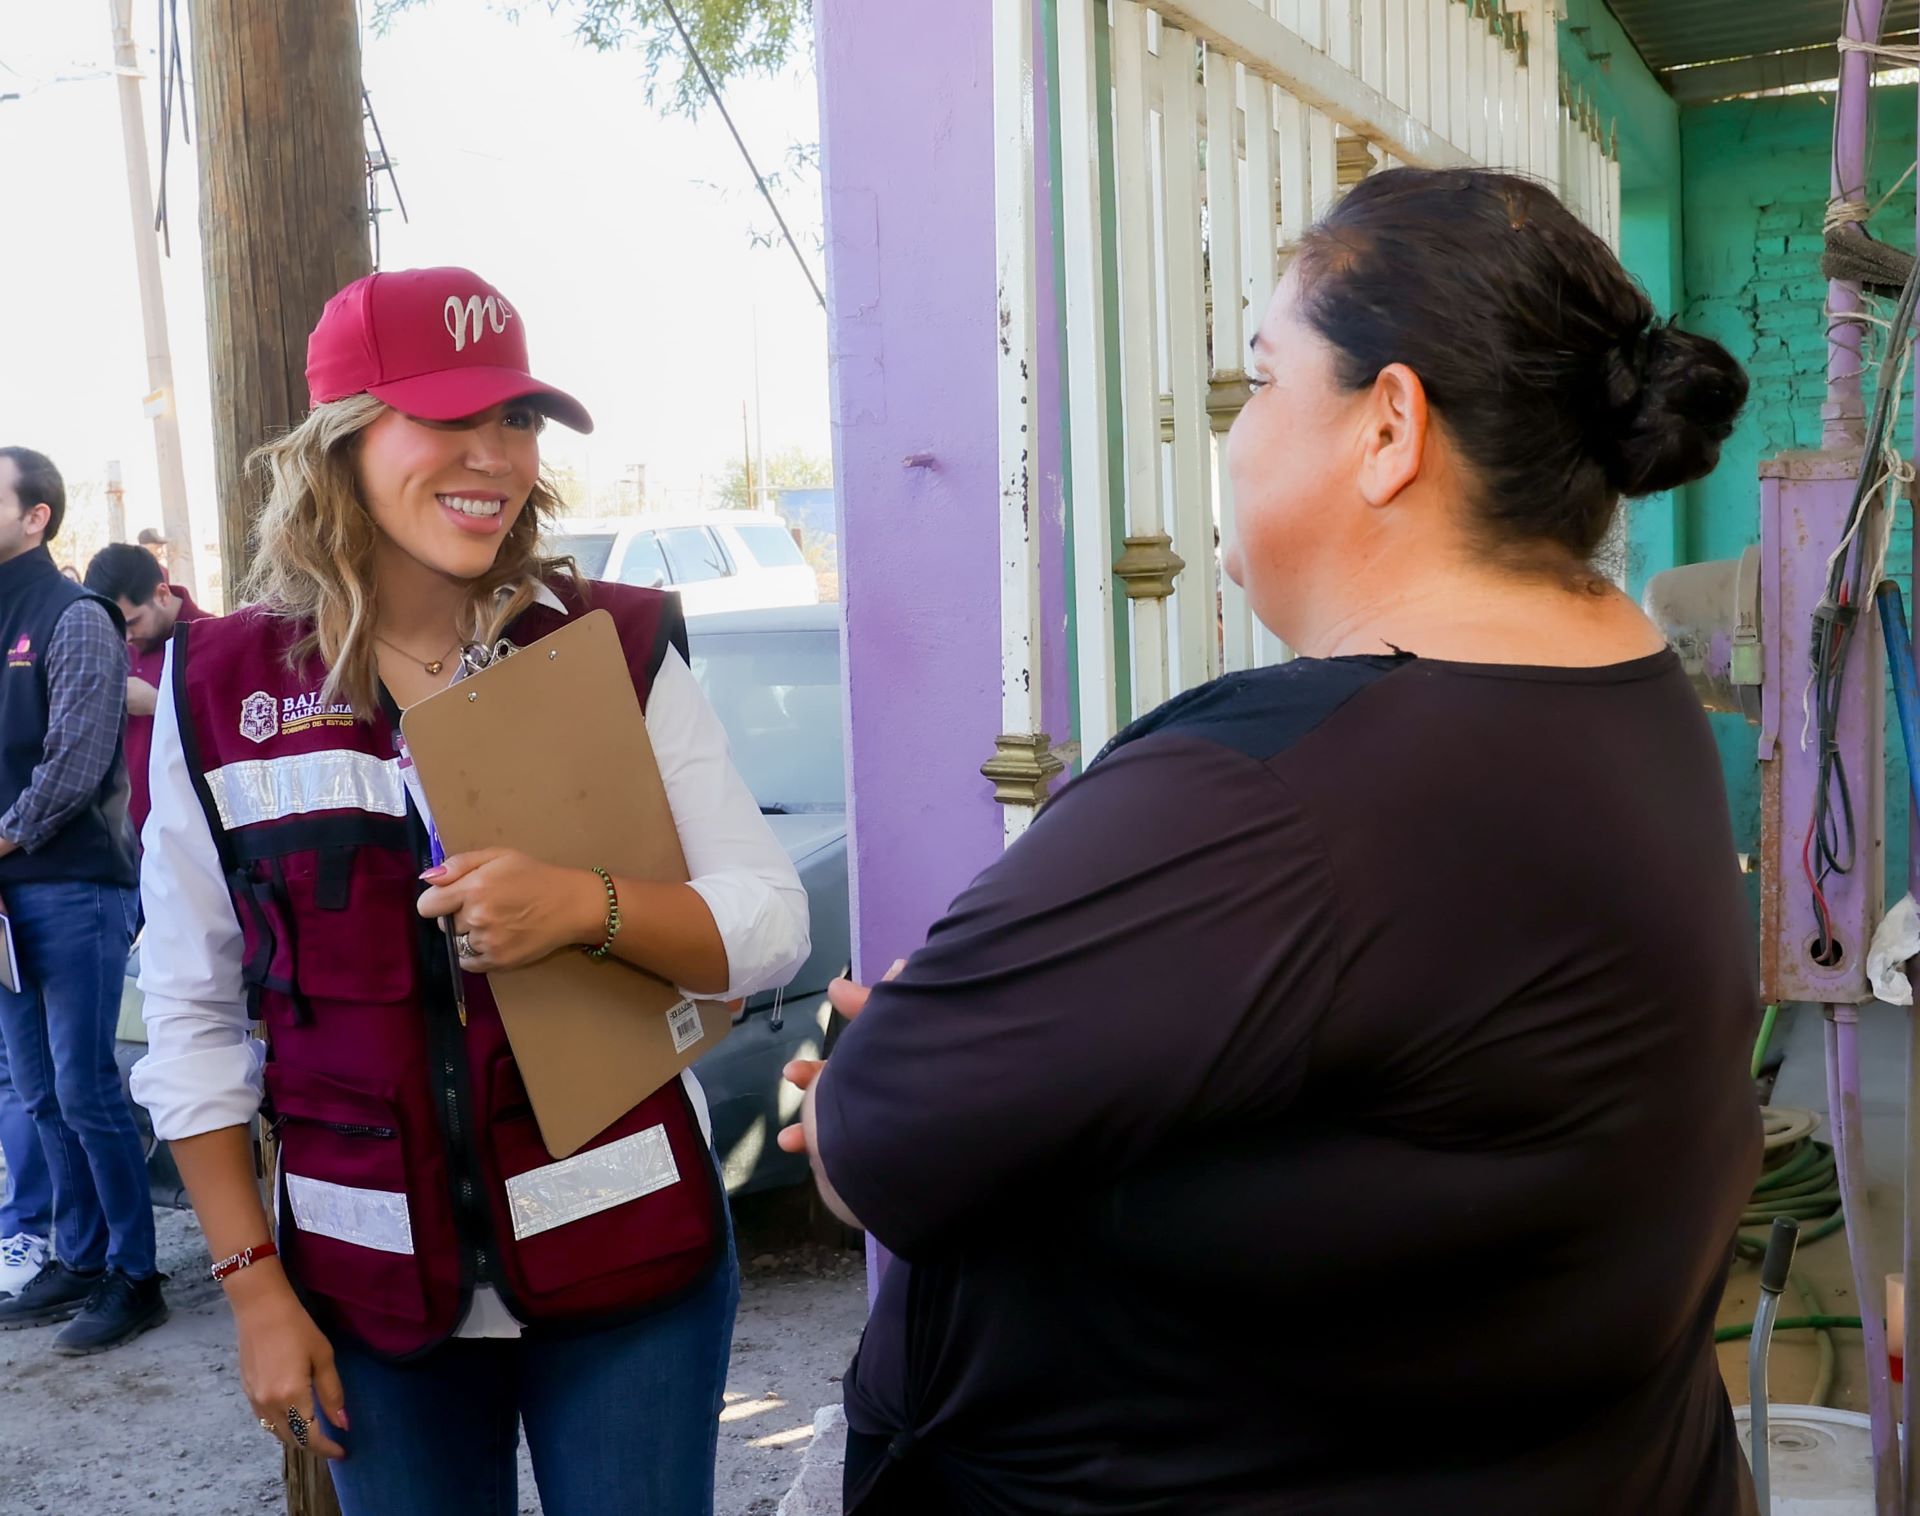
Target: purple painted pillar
(1910, 1231)
(906, 119)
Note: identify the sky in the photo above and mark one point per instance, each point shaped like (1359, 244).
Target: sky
(625, 238)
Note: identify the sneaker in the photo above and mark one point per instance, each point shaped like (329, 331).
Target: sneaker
(53, 1294)
(118, 1310)
(21, 1257)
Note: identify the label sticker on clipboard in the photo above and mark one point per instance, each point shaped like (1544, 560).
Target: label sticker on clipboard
(683, 1020)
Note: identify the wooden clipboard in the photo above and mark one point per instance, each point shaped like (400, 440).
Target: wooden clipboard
(547, 751)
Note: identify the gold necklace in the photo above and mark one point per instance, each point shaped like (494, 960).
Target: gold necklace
(429, 667)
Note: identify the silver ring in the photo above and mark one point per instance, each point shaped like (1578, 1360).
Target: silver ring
(463, 945)
(297, 1424)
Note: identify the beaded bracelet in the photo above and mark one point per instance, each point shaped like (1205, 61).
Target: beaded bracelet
(613, 917)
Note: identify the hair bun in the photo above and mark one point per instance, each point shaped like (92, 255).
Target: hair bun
(1672, 397)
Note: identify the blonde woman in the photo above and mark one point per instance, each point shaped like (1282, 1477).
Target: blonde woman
(408, 1308)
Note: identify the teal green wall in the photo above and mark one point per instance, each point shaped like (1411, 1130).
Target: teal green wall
(1755, 192)
(1650, 222)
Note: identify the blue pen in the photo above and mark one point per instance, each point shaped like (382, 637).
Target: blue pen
(439, 856)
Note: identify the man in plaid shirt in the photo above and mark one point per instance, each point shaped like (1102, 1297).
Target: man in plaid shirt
(67, 874)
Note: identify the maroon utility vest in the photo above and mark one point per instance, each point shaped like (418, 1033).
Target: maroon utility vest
(411, 1167)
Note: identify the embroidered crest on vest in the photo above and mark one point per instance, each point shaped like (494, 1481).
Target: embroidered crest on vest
(259, 716)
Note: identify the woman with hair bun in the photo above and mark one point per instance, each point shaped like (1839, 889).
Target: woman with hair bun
(1336, 1102)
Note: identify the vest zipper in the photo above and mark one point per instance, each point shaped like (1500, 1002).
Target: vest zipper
(471, 1220)
(475, 1224)
(341, 1128)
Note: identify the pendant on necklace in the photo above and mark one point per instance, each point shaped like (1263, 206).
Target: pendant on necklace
(435, 666)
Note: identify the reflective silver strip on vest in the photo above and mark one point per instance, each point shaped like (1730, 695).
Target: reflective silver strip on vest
(588, 1183)
(269, 789)
(367, 1218)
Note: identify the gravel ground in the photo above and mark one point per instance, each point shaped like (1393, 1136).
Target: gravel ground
(160, 1427)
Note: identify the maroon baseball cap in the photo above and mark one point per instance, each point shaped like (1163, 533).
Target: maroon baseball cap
(438, 343)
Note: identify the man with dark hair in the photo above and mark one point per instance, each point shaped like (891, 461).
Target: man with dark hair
(127, 575)
(66, 876)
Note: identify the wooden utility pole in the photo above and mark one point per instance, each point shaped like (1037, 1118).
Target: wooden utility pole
(283, 218)
(283, 224)
(174, 517)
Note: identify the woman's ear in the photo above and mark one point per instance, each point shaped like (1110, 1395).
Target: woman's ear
(1395, 442)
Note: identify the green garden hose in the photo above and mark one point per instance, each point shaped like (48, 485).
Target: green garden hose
(1798, 1178)
(1740, 1331)
(1765, 1037)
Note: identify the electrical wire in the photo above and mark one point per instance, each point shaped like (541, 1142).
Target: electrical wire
(766, 194)
(1832, 839)
(173, 85)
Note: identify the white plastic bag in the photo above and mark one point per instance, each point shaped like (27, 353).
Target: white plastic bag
(1895, 940)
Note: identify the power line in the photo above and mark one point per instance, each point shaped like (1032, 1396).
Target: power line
(765, 193)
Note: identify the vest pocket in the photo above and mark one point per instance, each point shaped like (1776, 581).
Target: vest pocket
(632, 1200)
(266, 937)
(358, 935)
(344, 1202)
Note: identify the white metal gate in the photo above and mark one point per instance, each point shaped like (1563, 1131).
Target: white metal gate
(1198, 139)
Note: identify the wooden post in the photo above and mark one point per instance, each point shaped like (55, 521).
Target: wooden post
(283, 224)
(283, 219)
(309, 1486)
(116, 504)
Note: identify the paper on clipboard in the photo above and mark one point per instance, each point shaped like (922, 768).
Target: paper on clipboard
(9, 958)
(547, 752)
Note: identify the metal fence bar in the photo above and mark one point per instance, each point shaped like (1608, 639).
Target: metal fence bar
(1515, 143)
(1416, 42)
(1397, 25)
(1191, 494)
(1014, 252)
(1372, 18)
(1459, 107)
(1543, 63)
(1613, 200)
(1139, 336)
(1476, 143)
(1083, 232)
(1235, 103)
(1498, 125)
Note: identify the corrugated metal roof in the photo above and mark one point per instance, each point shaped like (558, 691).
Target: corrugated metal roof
(1675, 33)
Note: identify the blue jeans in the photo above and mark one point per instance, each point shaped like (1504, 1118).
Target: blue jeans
(26, 1204)
(73, 941)
(623, 1422)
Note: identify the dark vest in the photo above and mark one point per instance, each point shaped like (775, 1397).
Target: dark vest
(411, 1166)
(95, 846)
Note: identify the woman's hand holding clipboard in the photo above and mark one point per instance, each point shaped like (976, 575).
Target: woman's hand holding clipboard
(546, 754)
